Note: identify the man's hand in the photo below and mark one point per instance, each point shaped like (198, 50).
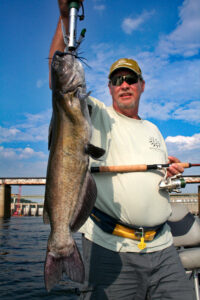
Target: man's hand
(63, 6)
(174, 169)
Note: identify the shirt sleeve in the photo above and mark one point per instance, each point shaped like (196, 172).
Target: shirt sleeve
(94, 105)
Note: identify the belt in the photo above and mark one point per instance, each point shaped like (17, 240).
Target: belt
(113, 226)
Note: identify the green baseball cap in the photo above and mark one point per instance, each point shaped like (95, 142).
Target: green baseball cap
(125, 63)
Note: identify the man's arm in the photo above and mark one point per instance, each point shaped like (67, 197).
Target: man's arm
(57, 44)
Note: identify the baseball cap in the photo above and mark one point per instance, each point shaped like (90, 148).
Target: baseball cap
(126, 63)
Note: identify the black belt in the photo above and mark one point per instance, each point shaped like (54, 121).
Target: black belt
(113, 226)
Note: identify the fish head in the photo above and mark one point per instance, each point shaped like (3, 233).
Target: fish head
(67, 73)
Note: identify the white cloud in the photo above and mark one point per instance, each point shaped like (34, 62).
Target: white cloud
(20, 153)
(34, 128)
(187, 149)
(185, 39)
(8, 133)
(41, 82)
(130, 24)
(100, 7)
(156, 110)
(172, 87)
(23, 168)
(15, 154)
(185, 142)
(190, 112)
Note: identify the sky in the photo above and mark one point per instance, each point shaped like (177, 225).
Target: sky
(162, 35)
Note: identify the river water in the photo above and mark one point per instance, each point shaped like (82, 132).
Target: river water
(23, 242)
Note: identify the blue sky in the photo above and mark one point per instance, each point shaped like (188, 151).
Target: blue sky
(162, 35)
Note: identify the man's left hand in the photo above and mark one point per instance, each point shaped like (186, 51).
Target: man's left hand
(174, 169)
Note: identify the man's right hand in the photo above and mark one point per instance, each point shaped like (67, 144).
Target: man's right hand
(63, 6)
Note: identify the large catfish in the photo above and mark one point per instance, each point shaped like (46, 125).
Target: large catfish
(70, 189)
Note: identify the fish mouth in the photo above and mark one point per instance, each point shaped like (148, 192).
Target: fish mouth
(67, 73)
(61, 61)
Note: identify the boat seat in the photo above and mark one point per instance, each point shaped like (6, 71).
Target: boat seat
(185, 226)
(185, 229)
(190, 258)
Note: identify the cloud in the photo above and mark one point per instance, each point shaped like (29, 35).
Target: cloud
(190, 112)
(20, 153)
(185, 39)
(187, 149)
(130, 24)
(34, 128)
(184, 143)
(41, 82)
(156, 110)
(100, 7)
(7, 134)
(172, 87)
(172, 83)
(22, 168)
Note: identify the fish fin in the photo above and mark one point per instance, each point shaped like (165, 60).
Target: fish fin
(85, 204)
(93, 151)
(50, 132)
(52, 271)
(83, 96)
(90, 109)
(45, 216)
(72, 265)
(45, 213)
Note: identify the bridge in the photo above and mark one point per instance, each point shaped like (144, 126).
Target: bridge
(5, 191)
(7, 209)
(27, 209)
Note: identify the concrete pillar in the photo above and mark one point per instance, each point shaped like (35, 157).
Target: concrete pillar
(36, 210)
(29, 210)
(199, 200)
(5, 201)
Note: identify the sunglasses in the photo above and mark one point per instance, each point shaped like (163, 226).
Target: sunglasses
(130, 79)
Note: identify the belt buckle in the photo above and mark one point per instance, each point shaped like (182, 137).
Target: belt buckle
(142, 245)
(139, 232)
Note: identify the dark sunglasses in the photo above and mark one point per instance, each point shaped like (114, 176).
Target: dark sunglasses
(130, 79)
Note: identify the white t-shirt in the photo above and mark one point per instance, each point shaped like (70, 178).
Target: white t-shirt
(134, 197)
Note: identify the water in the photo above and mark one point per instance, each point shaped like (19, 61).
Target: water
(23, 242)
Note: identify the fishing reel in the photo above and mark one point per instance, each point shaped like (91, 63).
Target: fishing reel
(70, 40)
(173, 184)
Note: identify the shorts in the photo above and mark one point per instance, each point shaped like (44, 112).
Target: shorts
(134, 276)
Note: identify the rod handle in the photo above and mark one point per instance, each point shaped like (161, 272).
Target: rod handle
(118, 169)
(184, 164)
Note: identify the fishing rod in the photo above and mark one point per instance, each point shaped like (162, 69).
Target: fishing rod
(70, 39)
(137, 168)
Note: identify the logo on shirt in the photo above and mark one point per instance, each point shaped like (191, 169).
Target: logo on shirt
(155, 143)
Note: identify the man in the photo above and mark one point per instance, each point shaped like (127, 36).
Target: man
(127, 245)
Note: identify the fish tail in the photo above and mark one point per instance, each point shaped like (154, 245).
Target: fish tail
(71, 264)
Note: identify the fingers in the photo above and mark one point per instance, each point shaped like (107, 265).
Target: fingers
(174, 168)
(63, 6)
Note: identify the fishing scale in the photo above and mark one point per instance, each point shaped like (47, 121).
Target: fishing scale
(70, 40)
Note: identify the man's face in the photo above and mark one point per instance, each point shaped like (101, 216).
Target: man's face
(126, 96)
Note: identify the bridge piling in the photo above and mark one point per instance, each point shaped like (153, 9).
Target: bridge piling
(5, 201)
